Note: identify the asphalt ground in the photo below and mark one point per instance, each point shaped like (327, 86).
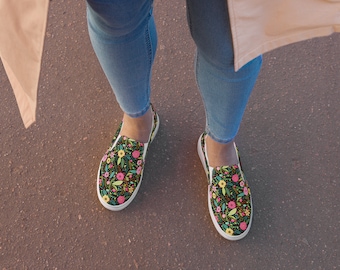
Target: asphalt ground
(50, 217)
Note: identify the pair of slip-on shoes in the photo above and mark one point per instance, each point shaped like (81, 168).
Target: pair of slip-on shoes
(121, 171)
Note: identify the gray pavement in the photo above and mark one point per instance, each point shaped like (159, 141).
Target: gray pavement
(50, 217)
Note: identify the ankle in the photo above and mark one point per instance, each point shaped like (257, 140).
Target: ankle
(138, 128)
(220, 154)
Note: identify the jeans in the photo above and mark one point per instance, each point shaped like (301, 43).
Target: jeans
(124, 38)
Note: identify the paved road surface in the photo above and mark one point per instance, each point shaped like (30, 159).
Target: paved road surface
(50, 217)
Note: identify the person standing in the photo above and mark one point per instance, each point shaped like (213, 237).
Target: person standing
(124, 37)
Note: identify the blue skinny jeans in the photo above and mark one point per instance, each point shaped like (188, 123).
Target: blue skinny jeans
(124, 38)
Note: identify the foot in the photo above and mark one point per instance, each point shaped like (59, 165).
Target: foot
(138, 128)
(220, 154)
(229, 196)
(121, 169)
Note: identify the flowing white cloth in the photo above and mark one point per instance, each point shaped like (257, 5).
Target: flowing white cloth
(22, 31)
(259, 26)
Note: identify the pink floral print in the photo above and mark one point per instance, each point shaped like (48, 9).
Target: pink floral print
(230, 198)
(121, 168)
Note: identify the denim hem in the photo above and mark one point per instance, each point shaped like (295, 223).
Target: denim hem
(211, 135)
(140, 113)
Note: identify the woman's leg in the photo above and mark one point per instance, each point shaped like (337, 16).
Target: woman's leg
(123, 35)
(124, 38)
(225, 92)
(225, 95)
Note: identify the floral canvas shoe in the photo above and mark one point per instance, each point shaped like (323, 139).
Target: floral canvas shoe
(121, 169)
(229, 197)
